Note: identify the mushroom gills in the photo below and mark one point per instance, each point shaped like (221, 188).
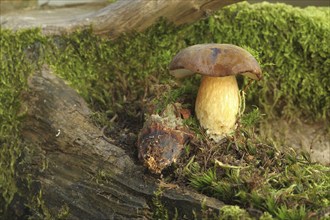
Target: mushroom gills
(217, 105)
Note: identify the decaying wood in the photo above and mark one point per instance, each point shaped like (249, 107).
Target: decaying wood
(163, 137)
(94, 178)
(118, 17)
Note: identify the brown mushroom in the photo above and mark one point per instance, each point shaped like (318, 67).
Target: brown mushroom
(217, 103)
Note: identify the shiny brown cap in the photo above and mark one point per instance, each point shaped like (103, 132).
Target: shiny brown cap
(215, 60)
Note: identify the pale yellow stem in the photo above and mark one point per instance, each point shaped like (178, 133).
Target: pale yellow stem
(217, 105)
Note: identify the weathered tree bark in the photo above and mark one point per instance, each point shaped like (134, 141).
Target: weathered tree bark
(118, 17)
(94, 178)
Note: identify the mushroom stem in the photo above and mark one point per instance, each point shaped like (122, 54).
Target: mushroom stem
(217, 105)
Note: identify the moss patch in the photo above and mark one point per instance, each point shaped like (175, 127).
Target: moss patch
(292, 45)
(15, 65)
(252, 173)
(295, 62)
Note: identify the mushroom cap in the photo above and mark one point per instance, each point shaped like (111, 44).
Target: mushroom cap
(215, 60)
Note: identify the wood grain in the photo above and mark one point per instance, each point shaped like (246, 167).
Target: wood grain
(116, 18)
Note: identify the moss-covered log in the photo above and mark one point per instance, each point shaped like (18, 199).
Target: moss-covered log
(85, 173)
(116, 18)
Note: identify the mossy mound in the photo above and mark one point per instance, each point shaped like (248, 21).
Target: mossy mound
(251, 172)
(291, 43)
(116, 76)
(292, 46)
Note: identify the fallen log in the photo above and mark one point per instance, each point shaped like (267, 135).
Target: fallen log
(92, 177)
(114, 19)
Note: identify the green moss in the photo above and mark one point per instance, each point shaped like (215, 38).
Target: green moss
(251, 173)
(159, 211)
(15, 66)
(292, 45)
(233, 213)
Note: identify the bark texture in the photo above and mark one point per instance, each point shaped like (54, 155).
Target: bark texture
(118, 17)
(94, 178)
